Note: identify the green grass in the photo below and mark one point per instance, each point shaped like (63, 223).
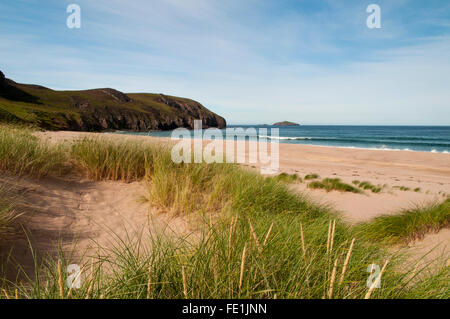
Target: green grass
(215, 265)
(21, 153)
(8, 211)
(369, 186)
(106, 158)
(402, 188)
(330, 184)
(288, 178)
(187, 188)
(408, 225)
(311, 176)
(244, 206)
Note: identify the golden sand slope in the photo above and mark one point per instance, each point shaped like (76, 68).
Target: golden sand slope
(428, 171)
(74, 210)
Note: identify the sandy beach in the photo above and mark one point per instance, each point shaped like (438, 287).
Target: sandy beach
(78, 214)
(429, 172)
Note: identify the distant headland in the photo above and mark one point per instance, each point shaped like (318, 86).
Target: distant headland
(103, 109)
(286, 123)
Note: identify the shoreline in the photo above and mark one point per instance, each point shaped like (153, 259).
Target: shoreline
(426, 175)
(283, 139)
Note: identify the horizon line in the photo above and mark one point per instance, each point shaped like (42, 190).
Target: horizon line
(413, 125)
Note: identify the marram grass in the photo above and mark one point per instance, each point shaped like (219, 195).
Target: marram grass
(265, 241)
(330, 184)
(110, 159)
(21, 153)
(409, 224)
(8, 211)
(188, 188)
(288, 178)
(239, 257)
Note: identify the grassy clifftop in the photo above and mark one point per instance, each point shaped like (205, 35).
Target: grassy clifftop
(99, 109)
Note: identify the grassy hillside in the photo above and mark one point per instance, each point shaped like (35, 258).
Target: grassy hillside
(98, 109)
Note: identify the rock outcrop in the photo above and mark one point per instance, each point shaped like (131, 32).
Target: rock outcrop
(286, 123)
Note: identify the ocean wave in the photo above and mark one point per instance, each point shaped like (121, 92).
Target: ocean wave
(410, 138)
(285, 137)
(359, 140)
(369, 144)
(380, 148)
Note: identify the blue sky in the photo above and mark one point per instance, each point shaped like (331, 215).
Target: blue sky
(251, 61)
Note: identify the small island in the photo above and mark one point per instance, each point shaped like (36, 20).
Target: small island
(286, 123)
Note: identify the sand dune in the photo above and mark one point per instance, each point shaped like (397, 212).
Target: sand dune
(79, 214)
(428, 171)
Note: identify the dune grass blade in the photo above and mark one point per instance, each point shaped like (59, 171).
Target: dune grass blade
(220, 262)
(288, 178)
(8, 211)
(21, 153)
(107, 158)
(330, 184)
(408, 225)
(202, 269)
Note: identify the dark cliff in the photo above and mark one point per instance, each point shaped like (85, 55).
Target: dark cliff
(99, 109)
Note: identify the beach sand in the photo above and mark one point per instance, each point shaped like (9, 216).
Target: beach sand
(428, 171)
(77, 216)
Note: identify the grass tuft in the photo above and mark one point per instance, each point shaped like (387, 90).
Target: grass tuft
(288, 178)
(402, 188)
(369, 186)
(311, 176)
(21, 153)
(8, 212)
(106, 158)
(188, 188)
(408, 225)
(330, 184)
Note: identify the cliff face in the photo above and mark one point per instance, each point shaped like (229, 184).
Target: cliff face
(109, 117)
(100, 109)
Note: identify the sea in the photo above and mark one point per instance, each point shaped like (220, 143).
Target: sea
(434, 139)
